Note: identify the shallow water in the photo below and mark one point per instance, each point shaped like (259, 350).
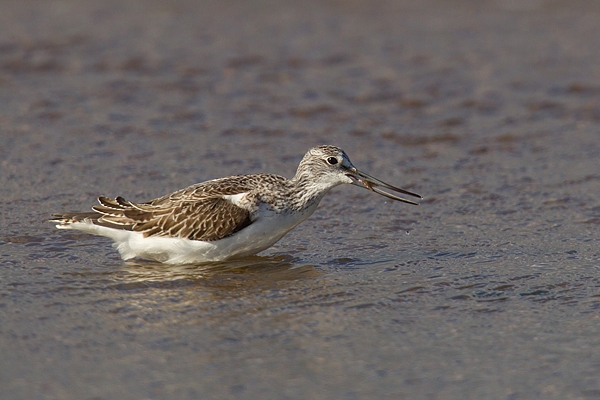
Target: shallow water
(489, 289)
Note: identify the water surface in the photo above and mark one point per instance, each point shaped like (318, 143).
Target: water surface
(489, 289)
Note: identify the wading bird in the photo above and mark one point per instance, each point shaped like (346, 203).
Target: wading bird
(223, 218)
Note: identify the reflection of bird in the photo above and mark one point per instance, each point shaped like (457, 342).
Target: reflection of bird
(222, 218)
(242, 274)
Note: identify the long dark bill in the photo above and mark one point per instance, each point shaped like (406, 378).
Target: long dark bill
(368, 182)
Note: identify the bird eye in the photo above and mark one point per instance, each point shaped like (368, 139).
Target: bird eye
(332, 160)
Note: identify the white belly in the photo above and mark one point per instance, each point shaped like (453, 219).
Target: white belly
(258, 236)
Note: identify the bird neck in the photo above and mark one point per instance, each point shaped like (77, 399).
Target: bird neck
(306, 192)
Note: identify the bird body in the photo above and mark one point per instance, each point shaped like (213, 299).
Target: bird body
(222, 218)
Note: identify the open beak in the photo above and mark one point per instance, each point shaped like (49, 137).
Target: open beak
(368, 182)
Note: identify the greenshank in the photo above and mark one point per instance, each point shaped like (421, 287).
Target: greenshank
(223, 218)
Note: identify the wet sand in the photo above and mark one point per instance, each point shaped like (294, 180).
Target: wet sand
(489, 289)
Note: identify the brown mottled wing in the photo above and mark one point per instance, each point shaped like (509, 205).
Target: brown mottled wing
(208, 218)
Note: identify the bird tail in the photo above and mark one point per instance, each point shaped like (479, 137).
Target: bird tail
(110, 214)
(69, 218)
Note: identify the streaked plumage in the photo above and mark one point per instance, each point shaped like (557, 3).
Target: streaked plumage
(222, 218)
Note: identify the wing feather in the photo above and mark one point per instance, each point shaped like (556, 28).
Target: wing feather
(210, 218)
(198, 212)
